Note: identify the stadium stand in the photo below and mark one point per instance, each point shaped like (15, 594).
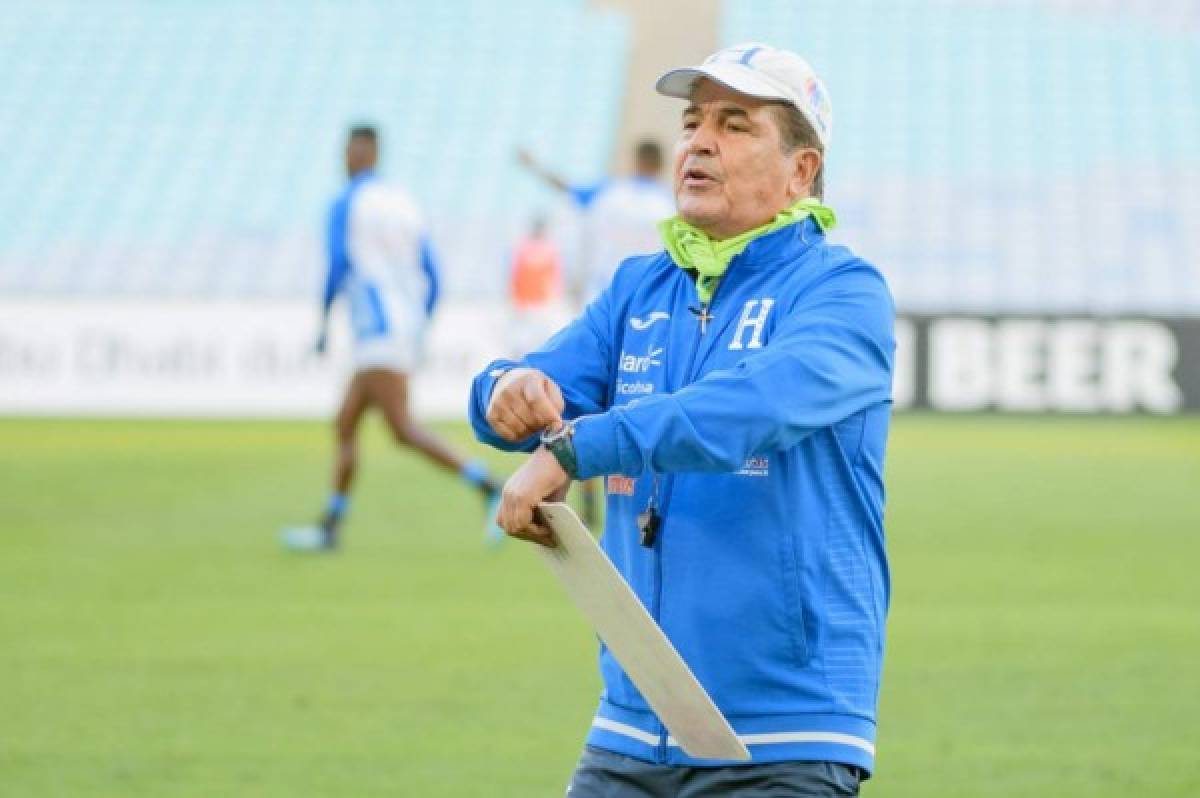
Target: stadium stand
(189, 148)
(1026, 155)
(1010, 156)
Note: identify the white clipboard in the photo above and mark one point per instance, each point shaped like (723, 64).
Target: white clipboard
(606, 600)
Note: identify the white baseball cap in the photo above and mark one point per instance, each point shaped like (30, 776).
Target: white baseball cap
(763, 71)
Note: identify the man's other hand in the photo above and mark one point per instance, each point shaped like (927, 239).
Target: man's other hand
(524, 402)
(540, 479)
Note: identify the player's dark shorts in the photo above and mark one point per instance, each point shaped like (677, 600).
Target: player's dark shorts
(604, 774)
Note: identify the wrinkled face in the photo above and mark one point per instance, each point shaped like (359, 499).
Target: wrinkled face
(731, 173)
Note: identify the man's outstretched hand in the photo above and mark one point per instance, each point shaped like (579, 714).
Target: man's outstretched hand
(524, 402)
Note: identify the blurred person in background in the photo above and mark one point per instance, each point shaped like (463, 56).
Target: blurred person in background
(620, 217)
(735, 390)
(535, 288)
(381, 260)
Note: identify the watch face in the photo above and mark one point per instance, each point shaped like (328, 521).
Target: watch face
(555, 436)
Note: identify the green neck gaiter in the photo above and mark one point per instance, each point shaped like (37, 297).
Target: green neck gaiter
(691, 248)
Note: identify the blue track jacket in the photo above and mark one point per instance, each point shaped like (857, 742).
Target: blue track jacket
(761, 442)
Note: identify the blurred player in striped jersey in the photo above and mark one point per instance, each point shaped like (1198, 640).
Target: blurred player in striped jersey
(380, 259)
(620, 217)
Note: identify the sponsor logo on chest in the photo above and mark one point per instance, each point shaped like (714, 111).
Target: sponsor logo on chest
(647, 321)
(640, 364)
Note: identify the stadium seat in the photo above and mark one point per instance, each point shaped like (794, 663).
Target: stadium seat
(1009, 156)
(191, 148)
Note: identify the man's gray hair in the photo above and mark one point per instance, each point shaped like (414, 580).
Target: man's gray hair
(796, 133)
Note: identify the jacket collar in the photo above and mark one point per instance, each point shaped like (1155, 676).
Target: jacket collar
(783, 245)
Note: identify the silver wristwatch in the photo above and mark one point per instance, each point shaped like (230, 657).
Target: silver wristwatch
(561, 444)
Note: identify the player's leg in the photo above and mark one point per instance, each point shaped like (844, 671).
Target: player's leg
(388, 390)
(324, 535)
(345, 425)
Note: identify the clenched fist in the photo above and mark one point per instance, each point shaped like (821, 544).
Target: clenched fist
(524, 402)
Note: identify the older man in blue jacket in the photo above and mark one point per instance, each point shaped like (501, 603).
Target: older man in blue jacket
(734, 390)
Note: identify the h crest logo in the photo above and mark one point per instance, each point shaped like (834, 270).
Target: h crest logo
(754, 317)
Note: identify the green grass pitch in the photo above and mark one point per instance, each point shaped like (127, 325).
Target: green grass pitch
(1044, 637)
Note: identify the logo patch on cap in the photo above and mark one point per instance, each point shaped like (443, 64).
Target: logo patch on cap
(736, 55)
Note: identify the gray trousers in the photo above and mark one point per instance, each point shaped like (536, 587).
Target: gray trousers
(604, 774)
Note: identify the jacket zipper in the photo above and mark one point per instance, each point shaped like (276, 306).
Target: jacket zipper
(669, 484)
(688, 378)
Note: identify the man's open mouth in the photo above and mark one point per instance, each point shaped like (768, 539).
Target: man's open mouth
(695, 177)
